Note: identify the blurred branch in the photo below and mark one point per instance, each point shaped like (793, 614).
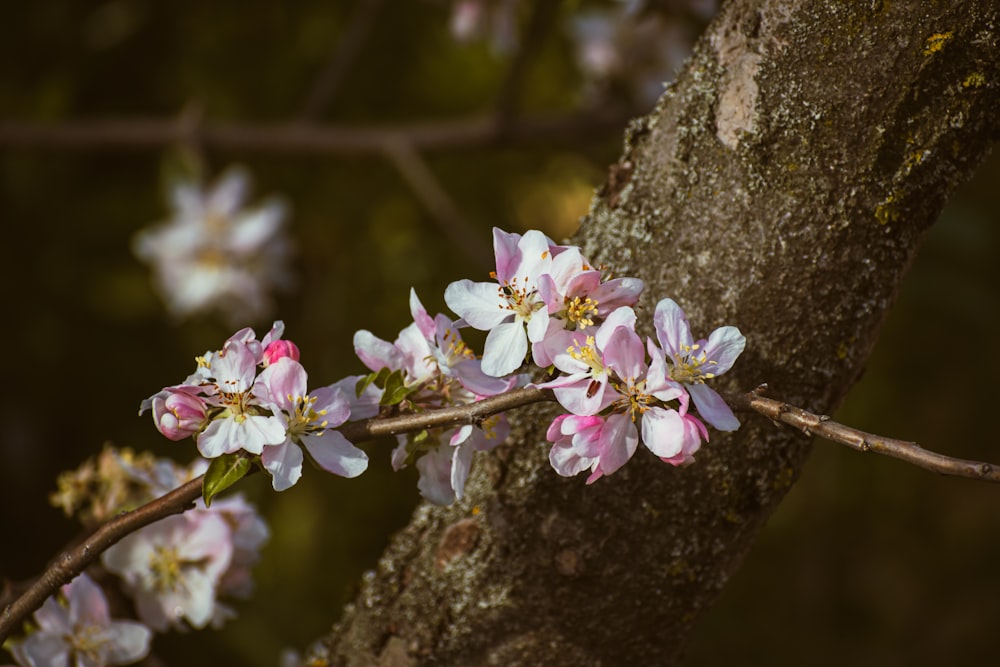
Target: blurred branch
(343, 57)
(821, 425)
(436, 200)
(543, 18)
(296, 138)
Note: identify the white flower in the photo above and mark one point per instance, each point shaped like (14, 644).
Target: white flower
(173, 567)
(81, 633)
(215, 255)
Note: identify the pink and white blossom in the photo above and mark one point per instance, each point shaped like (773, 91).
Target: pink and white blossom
(244, 422)
(172, 568)
(693, 362)
(81, 633)
(636, 400)
(308, 421)
(512, 309)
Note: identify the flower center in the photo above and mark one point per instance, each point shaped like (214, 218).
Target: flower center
(522, 300)
(165, 565)
(687, 367)
(587, 353)
(304, 419)
(85, 643)
(634, 400)
(581, 312)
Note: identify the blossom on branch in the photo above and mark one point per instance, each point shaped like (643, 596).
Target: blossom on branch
(544, 292)
(435, 369)
(250, 398)
(693, 362)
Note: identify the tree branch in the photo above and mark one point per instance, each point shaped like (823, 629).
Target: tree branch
(341, 60)
(821, 425)
(299, 139)
(436, 200)
(75, 560)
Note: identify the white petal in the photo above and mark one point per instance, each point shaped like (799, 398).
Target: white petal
(334, 453)
(479, 304)
(284, 462)
(505, 348)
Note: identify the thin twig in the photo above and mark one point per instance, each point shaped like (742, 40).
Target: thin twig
(821, 425)
(543, 17)
(435, 198)
(342, 59)
(73, 560)
(299, 139)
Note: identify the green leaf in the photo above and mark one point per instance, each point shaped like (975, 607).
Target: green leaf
(395, 389)
(222, 473)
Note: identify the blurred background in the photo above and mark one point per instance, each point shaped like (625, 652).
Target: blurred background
(868, 561)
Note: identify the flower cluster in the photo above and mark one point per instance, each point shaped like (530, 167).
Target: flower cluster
(215, 255)
(251, 399)
(79, 631)
(176, 570)
(635, 47)
(548, 306)
(435, 369)
(550, 299)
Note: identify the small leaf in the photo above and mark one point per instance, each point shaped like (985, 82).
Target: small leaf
(222, 473)
(395, 389)
(363, 383)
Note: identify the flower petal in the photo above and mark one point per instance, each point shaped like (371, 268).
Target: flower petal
(334, 453)
(712, 408)
(505, 348)
(284, 462)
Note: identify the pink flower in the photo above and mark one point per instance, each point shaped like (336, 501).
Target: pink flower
(584, 388)
(513, 312)
(81, 633)
(179, 412)
(308, 420)
(637, 397)
(691, 363)
(172, 568)
(575, 444)
(242, 424)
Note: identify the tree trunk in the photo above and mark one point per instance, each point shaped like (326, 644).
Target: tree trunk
(782, 185)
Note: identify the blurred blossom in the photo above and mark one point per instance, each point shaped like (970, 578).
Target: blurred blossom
(177, 568)
(80, 633)
(637, 51)
(215, 254)
(495, 20)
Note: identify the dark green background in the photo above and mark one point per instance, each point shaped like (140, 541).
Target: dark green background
(868, 561)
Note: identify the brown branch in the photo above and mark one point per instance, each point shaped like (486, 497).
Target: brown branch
(821, 425)
(298, 138)
(74, 560)
(435, 198)
(343, 57)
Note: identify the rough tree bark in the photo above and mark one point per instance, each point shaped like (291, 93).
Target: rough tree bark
(782, 185)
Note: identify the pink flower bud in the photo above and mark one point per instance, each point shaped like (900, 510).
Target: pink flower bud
(178, 412)
(278, 349)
